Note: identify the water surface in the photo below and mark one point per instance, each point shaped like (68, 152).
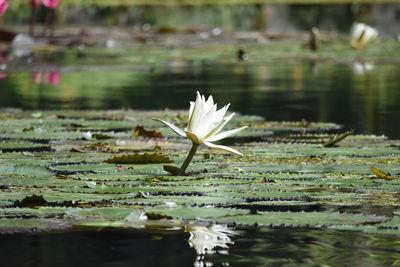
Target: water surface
(361, 96)
(252, 247)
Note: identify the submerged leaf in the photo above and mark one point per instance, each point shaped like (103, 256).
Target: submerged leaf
(162, 178)
(140, 131)
(97, 146)
(30, 129)
(139, 159)
(156, 216)
(73, 125)
(76, 150)
(32, 201)
(101, 136)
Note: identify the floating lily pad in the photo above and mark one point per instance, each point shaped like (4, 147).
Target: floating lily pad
(30, 225)
(196, 212)
(303, 219)
(286, 177)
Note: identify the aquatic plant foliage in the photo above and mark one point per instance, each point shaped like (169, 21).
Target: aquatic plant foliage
(51, 177)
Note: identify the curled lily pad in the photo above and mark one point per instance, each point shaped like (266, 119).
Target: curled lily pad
(137, 158)
(381, 174)
(140, 131)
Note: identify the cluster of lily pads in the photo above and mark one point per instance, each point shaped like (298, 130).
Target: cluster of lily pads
(65, 169)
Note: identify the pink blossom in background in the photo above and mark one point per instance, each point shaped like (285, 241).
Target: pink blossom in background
(3, 7)
(53, 78)
(51, 3)
(34, 3)
(37, 77)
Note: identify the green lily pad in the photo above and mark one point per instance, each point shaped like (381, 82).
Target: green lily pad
(195, 212)
(303, 219)
(286, 177)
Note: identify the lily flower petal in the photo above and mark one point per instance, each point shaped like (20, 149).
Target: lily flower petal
(193, 137)
(226, 148)
(209, 103)
(219, 115)
(225, 134)
(201, 118)
(213, 118)
(196, 112)
(219, 127)
(173, 127)
(206, 121)
(191, 108)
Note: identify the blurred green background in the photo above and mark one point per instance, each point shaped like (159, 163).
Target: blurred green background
(237, 15)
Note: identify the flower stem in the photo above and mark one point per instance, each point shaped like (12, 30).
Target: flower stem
(188, 159)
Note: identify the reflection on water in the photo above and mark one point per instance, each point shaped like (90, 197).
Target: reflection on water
(360, 95)
(3, 67)
(209, 240)
(362, 68)
(252, 247)
(302, 247)
(46, 77)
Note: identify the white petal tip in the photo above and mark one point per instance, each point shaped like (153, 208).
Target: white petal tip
(225, 148)
(172, 127)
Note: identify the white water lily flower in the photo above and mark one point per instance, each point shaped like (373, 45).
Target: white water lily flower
(362, 34)
(205, 123)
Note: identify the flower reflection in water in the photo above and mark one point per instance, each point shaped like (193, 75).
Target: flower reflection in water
(3, 67)
(52, 78)
(209, 240)
(362, 68)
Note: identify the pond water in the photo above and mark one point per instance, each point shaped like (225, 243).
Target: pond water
(251, 247)
(361, 96)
